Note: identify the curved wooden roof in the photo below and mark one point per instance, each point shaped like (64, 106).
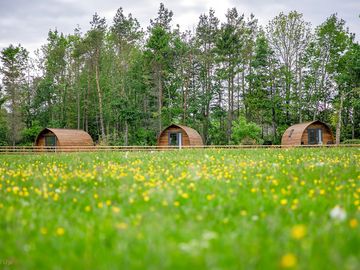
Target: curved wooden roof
(194, 136)
(69, 137)
(293, 135)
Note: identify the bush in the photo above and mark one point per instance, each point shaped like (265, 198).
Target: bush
(351, 141)
(143, 136)
(244, 132)
(29, 134)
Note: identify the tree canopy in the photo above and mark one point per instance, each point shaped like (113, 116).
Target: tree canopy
(229, 80)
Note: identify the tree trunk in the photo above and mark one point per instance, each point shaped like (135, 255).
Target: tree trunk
(185, 94)
(338, 125)
(287, 94)
(160, 93)
(299, 90)
(78, 98)
(126, 137)
(352, 125)
(63, 106)
(229, 114)
(78, 109)
(13, 116)
(101, 117)
(244, 92)
(86, 103)
(273, 111)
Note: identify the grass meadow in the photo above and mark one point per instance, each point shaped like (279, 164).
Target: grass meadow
(185, 209)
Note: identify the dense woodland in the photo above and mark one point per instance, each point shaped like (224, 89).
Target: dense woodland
(123, 84)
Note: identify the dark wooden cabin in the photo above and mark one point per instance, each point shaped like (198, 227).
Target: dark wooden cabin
(309, 133)
(177, 135)
(59, 137)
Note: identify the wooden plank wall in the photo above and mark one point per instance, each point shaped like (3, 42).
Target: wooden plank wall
(164, 137)
(41, 139)
(326, 134)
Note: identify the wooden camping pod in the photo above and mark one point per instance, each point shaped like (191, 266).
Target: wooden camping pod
(51, 137)
(309, 133)
(177, 135)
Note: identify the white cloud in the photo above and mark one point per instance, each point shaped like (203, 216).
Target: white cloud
(28, 22)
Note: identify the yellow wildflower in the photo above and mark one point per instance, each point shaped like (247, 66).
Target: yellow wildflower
(60, 231)
(164, 203)
(243, 213)
(122, 226)
(185, 195)
(353, 223)
(283, 202)
(298, 231)
(289, 260)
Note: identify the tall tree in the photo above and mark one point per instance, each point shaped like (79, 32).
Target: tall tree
(288, 35)
(228, 50)
(263, 98)
(125, 36)
(159, 55)
(14, 61)
(206, 35)
(250, 33)
(95, 42)
(52, 91)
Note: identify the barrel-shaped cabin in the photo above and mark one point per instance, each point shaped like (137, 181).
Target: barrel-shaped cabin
(309, 133)
(63, 139)
(178, 135)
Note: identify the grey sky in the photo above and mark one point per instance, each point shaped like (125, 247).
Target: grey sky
(28, 21)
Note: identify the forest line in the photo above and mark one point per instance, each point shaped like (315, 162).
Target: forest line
(123, 84)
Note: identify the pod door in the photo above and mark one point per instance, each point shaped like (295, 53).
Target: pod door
(175, 139)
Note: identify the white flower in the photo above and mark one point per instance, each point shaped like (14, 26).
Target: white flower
(338, 213)
(209, 235)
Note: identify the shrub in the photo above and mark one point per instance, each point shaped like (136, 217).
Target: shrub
(29, 134)
(244, 132)
(351, 141)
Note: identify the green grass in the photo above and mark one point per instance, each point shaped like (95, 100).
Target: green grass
(189, 209)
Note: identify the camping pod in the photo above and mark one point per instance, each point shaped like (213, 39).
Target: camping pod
(63, 139)
(309, 133)
(177, 135)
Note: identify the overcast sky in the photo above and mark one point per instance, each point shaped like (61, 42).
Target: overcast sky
(28, 21)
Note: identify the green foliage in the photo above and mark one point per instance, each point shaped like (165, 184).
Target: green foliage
(12, 68)
(29, 135)
(351, 141)
(217, 134)
(3, 128)
(124, 84)
(244, 132)
(144, 136)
